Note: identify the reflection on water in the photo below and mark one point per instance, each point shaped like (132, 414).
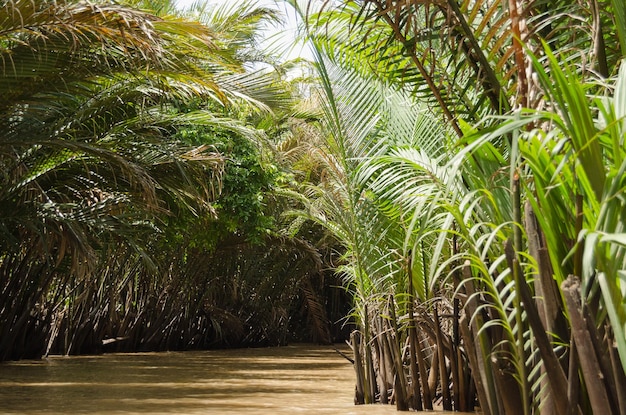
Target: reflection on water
(287, 380)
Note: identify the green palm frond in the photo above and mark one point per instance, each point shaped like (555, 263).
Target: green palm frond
(367, 122)
(464, 59)
(98, 90)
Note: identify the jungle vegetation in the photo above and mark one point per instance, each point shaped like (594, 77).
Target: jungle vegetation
(457, 167)
(138, 177)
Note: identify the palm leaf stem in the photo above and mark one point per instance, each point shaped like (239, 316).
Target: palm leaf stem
(599, 46)
(493, 88)
(588, 361)
(522, 83)
(429, 80)
(475, 342)
(413, 344)
(558, 381)
(517, 243)
(619, 8)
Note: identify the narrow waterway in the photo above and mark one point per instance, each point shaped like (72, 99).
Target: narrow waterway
(287, 380)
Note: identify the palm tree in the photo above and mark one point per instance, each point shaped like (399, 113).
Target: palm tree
(474, 64)
(94, 96)
(364, 119)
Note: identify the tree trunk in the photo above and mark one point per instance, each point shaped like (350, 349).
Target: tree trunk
(592, 373)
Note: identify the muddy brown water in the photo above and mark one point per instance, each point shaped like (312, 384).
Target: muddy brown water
(300, 379)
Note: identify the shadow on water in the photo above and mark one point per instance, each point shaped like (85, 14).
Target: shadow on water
(235, 381)
(295, 379)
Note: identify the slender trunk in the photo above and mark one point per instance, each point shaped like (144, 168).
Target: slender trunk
(618, 373)
(483, 374)
(394, 338)
(573, 386)
(443, 372)
(549, 301)
(355, 340)
(469, 342)
(545, 293)
(434, 371)
(416, 397)
(517, 243)
(602, 354)
(421, 363)
(556, 376)
(382, 366)
(455, 379)
(370, 386)
(592, 372)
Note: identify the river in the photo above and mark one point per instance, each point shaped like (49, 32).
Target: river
(288, 380)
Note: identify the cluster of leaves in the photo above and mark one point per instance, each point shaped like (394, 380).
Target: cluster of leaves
(501, 206)
(240, 211)
(128, 156)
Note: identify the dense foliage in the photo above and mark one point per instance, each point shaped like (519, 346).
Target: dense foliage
(473, 160)
(135, 184)
(458, 167)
